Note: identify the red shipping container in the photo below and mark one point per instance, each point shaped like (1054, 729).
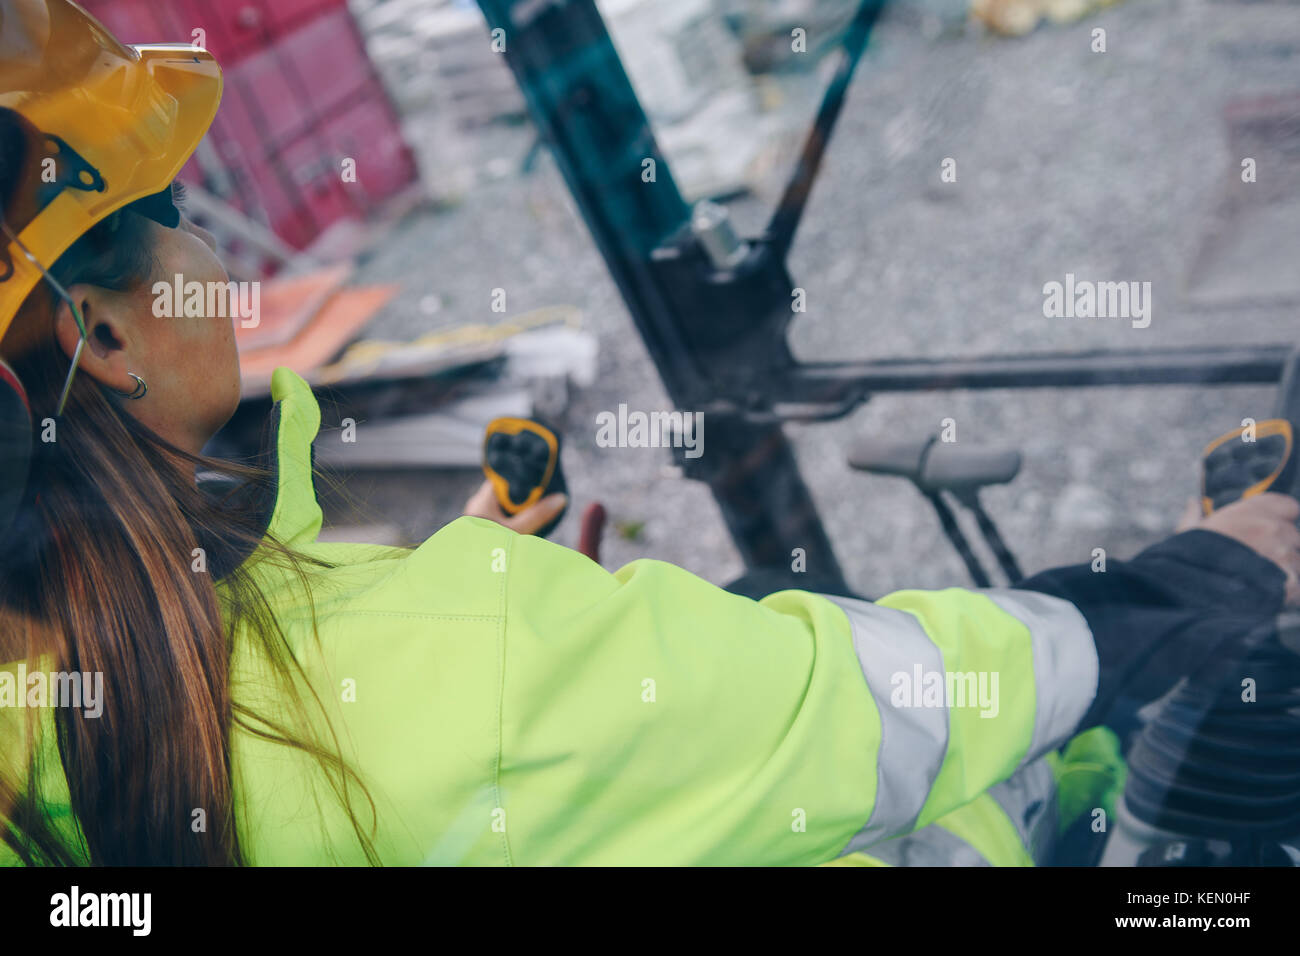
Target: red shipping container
(301, 94)
(367, 134)
(135, 21)
(148, 21)
(288, 15)
(273, 106)
(301, 190)
(327, 56)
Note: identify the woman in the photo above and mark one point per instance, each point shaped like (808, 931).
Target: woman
(487, 697)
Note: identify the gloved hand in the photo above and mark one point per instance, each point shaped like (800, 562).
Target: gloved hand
(1265, 523)
(483, 504)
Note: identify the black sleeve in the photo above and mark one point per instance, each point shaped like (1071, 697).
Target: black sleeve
(1165, 613)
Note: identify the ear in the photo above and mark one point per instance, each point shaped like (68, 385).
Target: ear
(104, 357)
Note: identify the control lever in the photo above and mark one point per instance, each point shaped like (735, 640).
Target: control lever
(935, 467)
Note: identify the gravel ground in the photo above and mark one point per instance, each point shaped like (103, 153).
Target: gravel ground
(1110, 166)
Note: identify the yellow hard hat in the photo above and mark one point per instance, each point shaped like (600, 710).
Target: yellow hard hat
(102, 125)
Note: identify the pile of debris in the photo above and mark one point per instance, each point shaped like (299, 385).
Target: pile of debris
(710, 75)
(303, 321)
(436, 60)
(425, 402)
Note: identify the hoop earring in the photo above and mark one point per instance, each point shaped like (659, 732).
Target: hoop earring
(140, 388)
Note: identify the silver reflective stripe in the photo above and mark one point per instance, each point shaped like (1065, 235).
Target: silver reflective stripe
(913, 740)
(1028, 798)
(1065, 664)
(928, 846)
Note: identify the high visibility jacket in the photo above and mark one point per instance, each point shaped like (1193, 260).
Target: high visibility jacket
(508, 701)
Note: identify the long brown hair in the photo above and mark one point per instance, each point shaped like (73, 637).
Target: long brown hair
(99, 578)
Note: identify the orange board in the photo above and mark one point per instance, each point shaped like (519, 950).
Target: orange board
(287, 305)
(339, 320)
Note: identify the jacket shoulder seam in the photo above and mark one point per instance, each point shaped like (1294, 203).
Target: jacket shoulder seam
(429, 616)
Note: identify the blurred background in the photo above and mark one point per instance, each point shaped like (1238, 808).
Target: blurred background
(381, 276)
